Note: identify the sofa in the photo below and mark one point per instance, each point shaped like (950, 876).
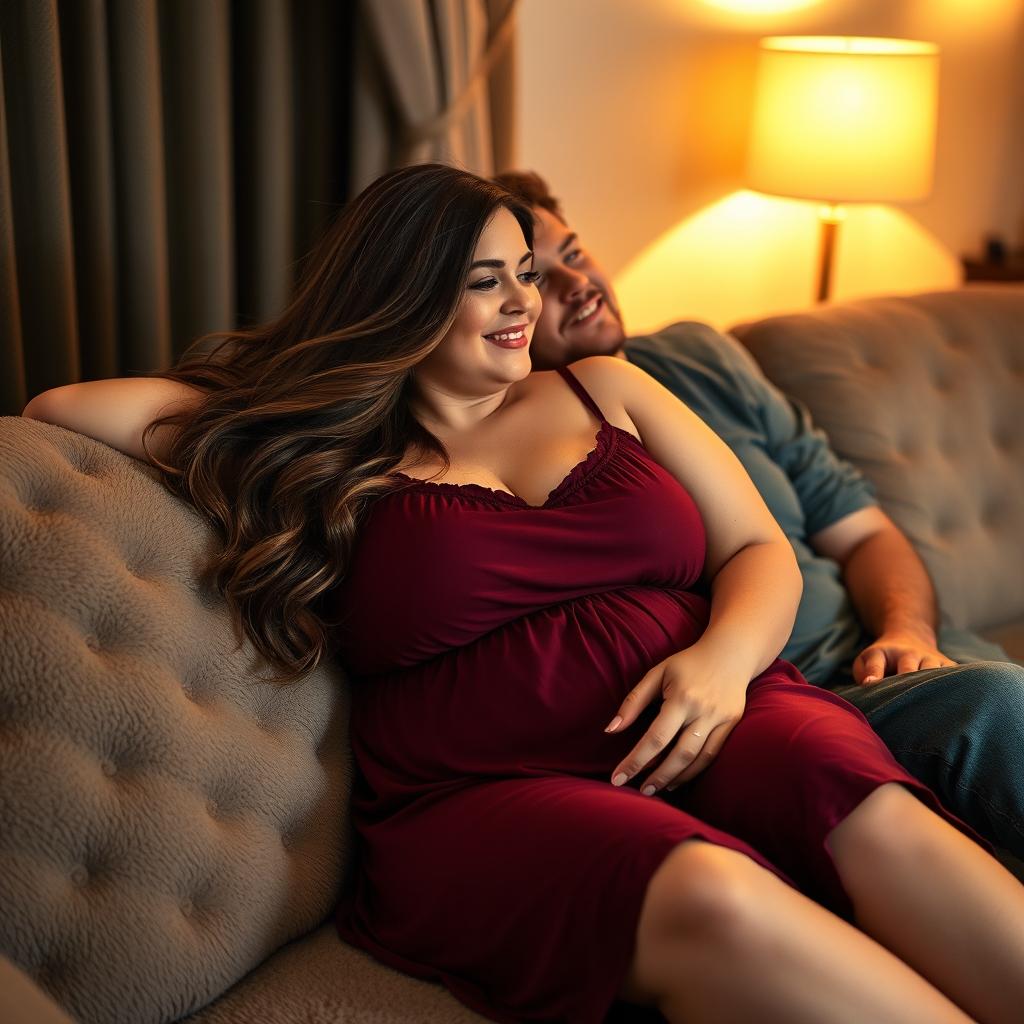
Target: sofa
(925, 395)
(174, 827)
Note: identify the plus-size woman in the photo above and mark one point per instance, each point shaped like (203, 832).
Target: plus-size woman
(504, 562)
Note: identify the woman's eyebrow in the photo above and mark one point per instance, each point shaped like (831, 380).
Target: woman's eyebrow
(498, 264)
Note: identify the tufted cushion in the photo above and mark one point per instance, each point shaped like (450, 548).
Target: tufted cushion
(319, 980)
(925, 395)
(169, 817)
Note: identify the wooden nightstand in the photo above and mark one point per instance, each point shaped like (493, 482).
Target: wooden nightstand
(1011, 269)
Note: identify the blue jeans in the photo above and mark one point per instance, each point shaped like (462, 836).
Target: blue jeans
(960, 730)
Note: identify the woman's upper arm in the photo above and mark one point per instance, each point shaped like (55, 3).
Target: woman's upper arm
(116, 411)
(733, 511)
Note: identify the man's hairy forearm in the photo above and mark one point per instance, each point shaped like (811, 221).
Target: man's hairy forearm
(890, 587)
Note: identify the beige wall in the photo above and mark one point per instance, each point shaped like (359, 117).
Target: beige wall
(636, 112)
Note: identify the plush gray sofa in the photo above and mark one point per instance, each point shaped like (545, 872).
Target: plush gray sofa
(173, 828)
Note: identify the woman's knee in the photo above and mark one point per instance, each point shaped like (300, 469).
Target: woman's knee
(702, 887)
(701, 895)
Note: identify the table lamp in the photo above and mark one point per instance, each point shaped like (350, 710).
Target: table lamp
(843, 119)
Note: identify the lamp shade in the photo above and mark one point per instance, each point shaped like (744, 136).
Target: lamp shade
(844, 118)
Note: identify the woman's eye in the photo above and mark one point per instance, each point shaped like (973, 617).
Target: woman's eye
(573, 255)
(486, 284)
(530, 277)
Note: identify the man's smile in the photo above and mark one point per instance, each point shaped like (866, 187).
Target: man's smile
(586, 313)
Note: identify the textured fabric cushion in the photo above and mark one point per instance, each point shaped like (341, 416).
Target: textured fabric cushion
(320, 980)
(924, 394)
(169, 818)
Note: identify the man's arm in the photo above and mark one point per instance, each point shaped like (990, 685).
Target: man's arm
(891, 591)
(885, 579)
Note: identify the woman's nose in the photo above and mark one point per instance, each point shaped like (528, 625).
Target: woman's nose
(522, 298)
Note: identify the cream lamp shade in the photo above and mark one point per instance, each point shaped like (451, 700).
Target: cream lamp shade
(844, 119)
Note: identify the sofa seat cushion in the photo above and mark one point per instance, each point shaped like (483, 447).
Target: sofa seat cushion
(319, 979)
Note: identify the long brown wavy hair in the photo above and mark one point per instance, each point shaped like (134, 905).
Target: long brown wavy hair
(304, 417)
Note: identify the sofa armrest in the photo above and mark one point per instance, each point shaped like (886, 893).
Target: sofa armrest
(171, 816)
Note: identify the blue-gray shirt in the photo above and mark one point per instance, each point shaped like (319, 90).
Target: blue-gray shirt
(806, 486)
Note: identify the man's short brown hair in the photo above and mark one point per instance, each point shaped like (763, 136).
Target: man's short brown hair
(530, 187)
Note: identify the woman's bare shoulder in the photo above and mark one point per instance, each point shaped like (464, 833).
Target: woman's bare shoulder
(610, 381)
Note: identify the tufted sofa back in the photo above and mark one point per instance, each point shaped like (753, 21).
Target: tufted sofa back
(925, 394)
(169, 818)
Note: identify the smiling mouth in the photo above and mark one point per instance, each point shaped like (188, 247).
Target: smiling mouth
(511, 338)
(513, 335)
(587, 312)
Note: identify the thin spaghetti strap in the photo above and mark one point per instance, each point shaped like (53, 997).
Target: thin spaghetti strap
(581, 392)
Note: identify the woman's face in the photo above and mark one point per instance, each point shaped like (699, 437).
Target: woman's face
(488, 346)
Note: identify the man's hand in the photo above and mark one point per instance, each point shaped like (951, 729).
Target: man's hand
(891, 592)
(894, 653)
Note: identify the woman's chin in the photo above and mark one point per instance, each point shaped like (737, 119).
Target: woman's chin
(514, 362)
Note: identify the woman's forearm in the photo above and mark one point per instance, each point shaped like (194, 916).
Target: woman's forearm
(115, 411)
(754, 598)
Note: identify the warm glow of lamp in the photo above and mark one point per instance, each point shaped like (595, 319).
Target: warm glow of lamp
(843, 119)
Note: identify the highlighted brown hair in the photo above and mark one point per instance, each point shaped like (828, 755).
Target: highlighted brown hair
(306, 415)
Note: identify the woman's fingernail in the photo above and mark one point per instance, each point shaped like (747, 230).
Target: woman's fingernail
(647, 790)
(619, 779)
(613, 724)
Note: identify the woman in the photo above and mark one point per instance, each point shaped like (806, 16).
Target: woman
(506, 560)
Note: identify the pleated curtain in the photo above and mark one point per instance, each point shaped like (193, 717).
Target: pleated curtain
(166, 164)
(433, 81)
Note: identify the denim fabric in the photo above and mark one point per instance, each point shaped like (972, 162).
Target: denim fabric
(960, 730)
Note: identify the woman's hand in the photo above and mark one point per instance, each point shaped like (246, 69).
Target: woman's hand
(703, 701)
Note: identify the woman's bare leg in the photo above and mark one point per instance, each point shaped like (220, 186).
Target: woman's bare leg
(722, 939)
(936, 899)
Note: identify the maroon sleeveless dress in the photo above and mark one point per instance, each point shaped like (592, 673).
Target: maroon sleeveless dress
(489, 643)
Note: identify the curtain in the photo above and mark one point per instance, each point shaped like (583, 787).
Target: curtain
(166, 164)
(433, 81)
(163, 167)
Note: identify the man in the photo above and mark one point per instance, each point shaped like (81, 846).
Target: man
(950, 707)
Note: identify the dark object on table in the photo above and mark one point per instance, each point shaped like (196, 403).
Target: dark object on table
(997, 265)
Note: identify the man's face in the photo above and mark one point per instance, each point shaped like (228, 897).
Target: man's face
(580, 316)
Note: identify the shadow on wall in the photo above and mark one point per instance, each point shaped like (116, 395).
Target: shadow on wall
(750, 255)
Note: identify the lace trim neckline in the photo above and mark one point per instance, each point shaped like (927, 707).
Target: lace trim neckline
(605, 444)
